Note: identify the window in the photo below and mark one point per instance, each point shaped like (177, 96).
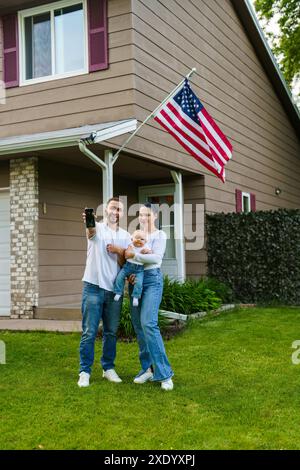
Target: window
(246, 202)
(53, 41)
(166, 225)
(163, 196)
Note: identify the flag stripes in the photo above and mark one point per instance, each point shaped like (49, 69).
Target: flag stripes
(186, 119)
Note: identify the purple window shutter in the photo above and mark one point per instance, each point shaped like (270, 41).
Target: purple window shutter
(97, 30)
(238, 200)
(252, 202)
(10, 50)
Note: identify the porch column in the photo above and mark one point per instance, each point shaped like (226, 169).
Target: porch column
(179, 225)
(107, 176)
(24, 236)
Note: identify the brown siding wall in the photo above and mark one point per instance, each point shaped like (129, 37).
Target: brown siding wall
(171, 37)
(194, 193)
(87, 99)
(4, 174)
(66, 190)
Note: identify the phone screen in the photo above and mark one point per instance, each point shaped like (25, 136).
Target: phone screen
(89, 218)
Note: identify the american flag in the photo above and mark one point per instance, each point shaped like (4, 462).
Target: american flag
(185, 118)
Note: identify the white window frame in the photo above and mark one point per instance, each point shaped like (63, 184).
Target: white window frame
(247, 195)
(50, 7)
(159, 190)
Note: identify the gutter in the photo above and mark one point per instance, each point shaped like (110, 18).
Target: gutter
(65, 137)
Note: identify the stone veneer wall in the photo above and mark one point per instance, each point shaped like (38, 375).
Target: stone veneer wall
(24, 236)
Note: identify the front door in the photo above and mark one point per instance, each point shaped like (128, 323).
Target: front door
(4, 253)
(164, 194)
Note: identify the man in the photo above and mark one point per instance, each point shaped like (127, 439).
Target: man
(106, 246)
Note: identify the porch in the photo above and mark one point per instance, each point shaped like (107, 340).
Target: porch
(68, 182)
(49, 185)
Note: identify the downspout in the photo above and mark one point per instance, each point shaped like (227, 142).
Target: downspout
(106, 166)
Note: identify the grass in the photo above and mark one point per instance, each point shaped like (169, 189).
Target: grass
(235, 388)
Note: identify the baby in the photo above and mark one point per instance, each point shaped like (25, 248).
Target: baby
(139, 241)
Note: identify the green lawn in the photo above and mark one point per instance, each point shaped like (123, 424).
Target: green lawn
(235, 388)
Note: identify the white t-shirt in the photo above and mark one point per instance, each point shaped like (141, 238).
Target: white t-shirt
(157, 241)
(102, 267)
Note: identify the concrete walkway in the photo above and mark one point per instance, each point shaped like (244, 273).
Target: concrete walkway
(64, 326)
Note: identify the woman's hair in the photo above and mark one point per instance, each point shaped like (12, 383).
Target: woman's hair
(154, 209)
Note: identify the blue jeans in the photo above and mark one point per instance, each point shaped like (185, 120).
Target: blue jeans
(145, 322)
(98, 304)
(127, 269)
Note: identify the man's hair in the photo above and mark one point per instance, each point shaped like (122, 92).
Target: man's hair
(115, 198)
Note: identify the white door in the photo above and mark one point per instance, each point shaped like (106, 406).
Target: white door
(164, 194)
(4, 253)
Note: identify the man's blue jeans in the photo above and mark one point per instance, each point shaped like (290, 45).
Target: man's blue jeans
(145, 322)
(127, 269)
(98, 304)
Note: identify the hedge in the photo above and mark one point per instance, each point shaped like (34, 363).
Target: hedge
(256, 254)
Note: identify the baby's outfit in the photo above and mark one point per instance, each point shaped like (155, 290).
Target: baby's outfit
(131, 267)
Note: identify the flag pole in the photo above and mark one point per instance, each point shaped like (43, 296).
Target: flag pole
(153, 112)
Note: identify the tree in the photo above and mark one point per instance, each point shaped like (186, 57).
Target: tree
(285, 45)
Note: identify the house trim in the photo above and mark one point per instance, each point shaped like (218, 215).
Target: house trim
(65, 137)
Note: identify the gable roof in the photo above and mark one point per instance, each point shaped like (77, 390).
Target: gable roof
(256, 36)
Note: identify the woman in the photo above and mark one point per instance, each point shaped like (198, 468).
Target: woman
(153, 358)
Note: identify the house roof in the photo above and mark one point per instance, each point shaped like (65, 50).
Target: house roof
(65, 137)
(248, 18)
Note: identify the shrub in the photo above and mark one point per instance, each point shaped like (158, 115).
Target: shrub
(256, 254)
(221, 289)
(188, 297)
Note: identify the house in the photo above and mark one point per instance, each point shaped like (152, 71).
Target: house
(74, 67)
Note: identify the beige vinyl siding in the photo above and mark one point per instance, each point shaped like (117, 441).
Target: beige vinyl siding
(170, 37)
(1, 52)
(86, 99)
(65, 191)
(194, 193)
(4, 174)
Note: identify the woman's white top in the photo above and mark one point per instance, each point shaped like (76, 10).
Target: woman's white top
(157, 242)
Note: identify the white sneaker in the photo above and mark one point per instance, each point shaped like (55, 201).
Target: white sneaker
(84, 379)
(117, 297)
(141, 379)
(167, 384)
(111, 375)
(135, 301)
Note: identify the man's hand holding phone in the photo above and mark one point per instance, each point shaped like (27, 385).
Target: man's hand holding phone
(89, 220)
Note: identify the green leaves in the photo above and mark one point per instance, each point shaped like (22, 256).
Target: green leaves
(256, 254)
(287, 47)
(190, 296)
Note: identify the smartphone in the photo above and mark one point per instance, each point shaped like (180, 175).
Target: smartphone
(89, 218)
